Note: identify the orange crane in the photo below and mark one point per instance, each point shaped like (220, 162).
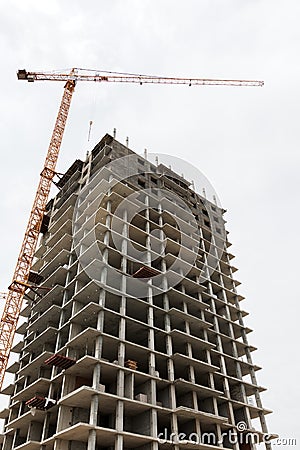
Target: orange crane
(20, 281)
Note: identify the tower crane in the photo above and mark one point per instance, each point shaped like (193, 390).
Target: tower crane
(20, 280)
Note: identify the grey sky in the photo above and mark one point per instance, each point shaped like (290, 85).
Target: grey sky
(245, 140)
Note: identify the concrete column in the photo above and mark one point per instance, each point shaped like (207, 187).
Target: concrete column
(119, 415)
(60, 444)
(64, 419)
(153, 423)
(119, 442)
(14, 440)
(92, 440)
(129, 386)
(68, 384)
(96, 376)
(45, 427)
(94, 410)
(169, 346)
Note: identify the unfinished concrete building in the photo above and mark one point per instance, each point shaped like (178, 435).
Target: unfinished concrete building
(146, 347)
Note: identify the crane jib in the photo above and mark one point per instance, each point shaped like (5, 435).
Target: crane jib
(77, 75)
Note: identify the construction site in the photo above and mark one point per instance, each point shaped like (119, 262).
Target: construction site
(133, 334)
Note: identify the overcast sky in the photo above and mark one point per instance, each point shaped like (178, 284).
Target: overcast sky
(245, 140)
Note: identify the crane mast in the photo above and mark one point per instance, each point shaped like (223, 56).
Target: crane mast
(16, 290)
(19, 283)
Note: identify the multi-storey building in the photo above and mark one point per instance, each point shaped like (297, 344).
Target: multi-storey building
(134, 336)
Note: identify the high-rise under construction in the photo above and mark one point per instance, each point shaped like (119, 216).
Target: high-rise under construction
(134, 336)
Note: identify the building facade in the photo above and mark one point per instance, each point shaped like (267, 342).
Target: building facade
(134, 334)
